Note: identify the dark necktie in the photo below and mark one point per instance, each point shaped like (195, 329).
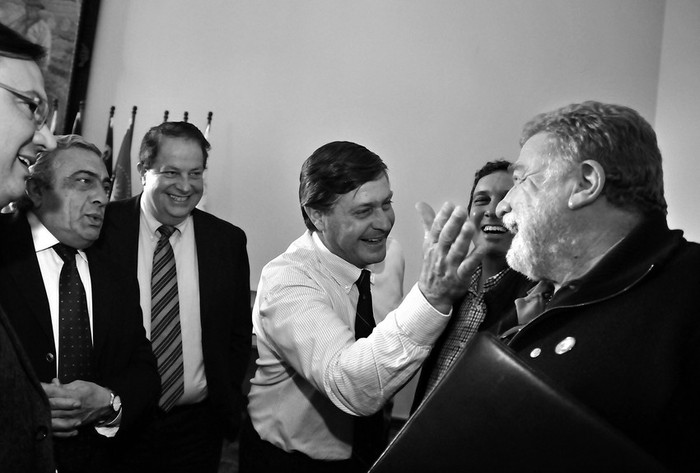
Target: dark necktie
(75, 356)
(370, 436)
(166, 336)
(74, 339)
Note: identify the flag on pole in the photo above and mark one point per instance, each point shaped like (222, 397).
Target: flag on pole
(121, 188)
(107, 153)
(54, 117)
(202, 205)
(78, 122)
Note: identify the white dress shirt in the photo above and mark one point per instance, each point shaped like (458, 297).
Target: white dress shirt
(312, 375)
(185, 251)
(50, 265)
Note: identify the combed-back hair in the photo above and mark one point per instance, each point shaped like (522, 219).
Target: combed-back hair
(14, 45)
(335, 169)
(151, 141)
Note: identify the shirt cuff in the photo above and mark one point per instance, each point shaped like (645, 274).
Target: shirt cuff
(419, 320)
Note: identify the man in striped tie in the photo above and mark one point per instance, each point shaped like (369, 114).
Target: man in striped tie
(195, 294)
(75, 311)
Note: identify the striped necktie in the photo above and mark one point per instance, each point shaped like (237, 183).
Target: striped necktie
(166, 336)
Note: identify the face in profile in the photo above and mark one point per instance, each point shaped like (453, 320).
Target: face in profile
(491, 234)
(73, 208)
(357, 226)
(174, 184)
(20, 141)
(535, 211)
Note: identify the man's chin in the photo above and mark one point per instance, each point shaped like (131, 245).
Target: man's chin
(519, 262)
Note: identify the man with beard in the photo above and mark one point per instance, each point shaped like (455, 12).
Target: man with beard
(488, 304)
(325, 371)
(75, 313)
(613, 320)
(25, 416)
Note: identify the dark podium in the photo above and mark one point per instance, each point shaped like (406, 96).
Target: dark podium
(493, 413)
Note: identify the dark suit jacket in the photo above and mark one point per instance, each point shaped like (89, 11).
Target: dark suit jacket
(224, 289)
(25, 415)
(123, 358)
(633, 329)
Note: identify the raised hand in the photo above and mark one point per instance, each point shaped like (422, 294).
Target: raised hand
(447, 263)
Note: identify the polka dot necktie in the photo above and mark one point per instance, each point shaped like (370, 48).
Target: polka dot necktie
(74, 338)
(166, 335)
(370, 434)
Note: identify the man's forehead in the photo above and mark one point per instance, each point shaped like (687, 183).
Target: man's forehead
(369, 192)
(75, 160)
(23, 75)
(535, 153)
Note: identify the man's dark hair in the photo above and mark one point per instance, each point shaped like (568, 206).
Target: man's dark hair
(619, 139)
(151, 142)
(488, 168)
(335, 169)
(15, 46)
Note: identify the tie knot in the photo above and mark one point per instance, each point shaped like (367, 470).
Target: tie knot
(67, 253)
(166, 231)
(363, 281)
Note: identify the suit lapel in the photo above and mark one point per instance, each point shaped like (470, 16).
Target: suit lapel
(101, 300)
(206, 260)
(23, 268)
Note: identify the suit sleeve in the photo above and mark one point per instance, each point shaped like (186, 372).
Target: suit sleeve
(241, 326)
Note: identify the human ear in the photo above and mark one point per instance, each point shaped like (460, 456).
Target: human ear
(34, 192)
(142, 172)
(316, 217)
(589, 184)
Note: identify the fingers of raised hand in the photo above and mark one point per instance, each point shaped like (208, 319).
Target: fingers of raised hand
(441, 219)
(427, 215)
(451, 230)
(469, 264)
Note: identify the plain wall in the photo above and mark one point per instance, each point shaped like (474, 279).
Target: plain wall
(435, 87)
(678, 114)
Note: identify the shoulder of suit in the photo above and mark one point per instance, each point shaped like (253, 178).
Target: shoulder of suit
(212, 220)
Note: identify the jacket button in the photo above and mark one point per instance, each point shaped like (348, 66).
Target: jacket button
(49, 357)
(41, 433)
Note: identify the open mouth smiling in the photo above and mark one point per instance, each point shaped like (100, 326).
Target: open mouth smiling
(26, 162)
(179, 198)
(494, 229)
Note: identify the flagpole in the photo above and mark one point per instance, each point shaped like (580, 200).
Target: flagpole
(54, 117)
(78, 122)
(122, 170)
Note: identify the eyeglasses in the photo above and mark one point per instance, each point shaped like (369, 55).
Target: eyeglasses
(37, 105)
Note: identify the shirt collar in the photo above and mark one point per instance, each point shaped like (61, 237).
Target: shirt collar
(346, 274)
(152, 224)
(43, 238)
(490, 282)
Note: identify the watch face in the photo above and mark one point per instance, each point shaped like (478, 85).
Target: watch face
(117, 404)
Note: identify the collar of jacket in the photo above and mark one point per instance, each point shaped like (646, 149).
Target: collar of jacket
(640, 253)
